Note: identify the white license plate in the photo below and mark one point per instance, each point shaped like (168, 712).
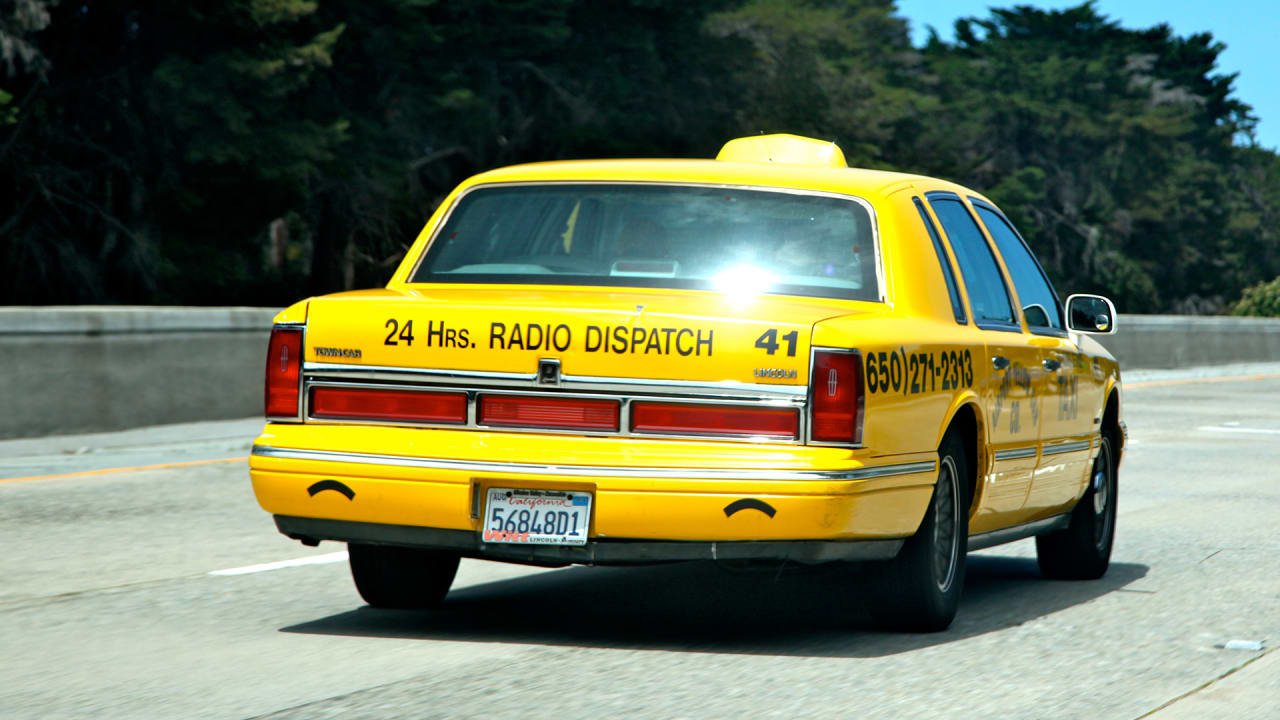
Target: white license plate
(536, 517)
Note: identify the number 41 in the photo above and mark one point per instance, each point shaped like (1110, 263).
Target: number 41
(769, 341)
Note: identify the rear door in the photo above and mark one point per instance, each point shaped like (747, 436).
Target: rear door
(1064, 438)
(1008, 376)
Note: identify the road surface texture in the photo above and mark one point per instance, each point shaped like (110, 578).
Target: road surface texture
(140, 579)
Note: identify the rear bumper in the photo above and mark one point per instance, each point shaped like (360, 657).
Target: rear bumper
(596, 552)
(677, 506)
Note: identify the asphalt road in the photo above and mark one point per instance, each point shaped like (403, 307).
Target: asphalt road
(161, 592)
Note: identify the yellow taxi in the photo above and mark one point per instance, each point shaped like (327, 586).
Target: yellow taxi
(765, 356)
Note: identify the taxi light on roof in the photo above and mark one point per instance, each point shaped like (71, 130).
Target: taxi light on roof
(690, 419)
(837, 397)
(553, 413)
(784, 149)
(284, 367)
(379, 404)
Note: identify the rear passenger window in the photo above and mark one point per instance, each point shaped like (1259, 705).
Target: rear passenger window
(957, 307)
(988, 295)
(1039, 302)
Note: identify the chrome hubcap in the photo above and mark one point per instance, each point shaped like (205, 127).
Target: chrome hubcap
(1102, 496)
(946, 539)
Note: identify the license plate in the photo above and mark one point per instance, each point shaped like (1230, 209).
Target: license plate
(536, 517)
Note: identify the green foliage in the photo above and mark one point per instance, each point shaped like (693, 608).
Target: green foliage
(8, 115)
(255, 150)
(1261, 300)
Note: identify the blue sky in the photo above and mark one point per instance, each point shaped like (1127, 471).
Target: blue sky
(1249, 28)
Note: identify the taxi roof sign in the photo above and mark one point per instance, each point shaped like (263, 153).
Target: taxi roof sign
(785, 149)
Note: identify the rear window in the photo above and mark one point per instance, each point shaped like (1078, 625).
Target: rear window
(667, 236)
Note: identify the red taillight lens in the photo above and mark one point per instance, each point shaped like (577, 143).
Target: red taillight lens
(538, 412)
(837, 407)
(369, 404)
(284, 365)
(714, 419)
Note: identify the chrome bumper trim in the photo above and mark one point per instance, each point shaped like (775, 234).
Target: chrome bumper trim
(476, 466)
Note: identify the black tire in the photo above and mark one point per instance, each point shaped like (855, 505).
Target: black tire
(401, 578)
(919, 591)
(1082, 551)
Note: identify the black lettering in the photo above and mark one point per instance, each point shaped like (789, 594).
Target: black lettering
(679, 345)
(391, 336)
(619, 339)
(710, 335)
(895, 369)
(560, 345)
(654, 343)
(435, 335)
(450, 337)
(517, 337)
(593, 332)
(463, 340)
(872, 381)
(498, 331)
(637, 336)
(913, 369)
(768, 341)
(791, 339)
(666, 346)
(529, 341)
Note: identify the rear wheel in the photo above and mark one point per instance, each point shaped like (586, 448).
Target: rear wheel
(1082, 551)
(401, 578)
(919, 591)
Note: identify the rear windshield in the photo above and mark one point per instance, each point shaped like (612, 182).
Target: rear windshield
(666, 236)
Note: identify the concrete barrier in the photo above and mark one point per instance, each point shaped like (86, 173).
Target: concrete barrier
(1179, 341)
(87, 369)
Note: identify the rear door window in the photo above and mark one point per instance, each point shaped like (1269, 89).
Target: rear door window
(1039, 301)
(988, 296)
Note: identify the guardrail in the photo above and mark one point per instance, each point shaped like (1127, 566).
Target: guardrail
(86, 369)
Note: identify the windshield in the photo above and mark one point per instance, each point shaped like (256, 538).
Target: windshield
(669, 236)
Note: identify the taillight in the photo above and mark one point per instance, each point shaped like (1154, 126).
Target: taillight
(714, 419)
(284, 367)
(374, 404)
(837, 398)
(539, 412)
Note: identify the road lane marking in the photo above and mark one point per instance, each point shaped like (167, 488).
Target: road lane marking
(1191, 381)
(136, 468)
(1256, 431)
(297, 562)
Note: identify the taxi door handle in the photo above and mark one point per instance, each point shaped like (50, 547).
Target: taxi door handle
(999, 362)
(1052, 364)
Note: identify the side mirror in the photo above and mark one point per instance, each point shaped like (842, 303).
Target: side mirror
(1091, 314)
(1037, 316)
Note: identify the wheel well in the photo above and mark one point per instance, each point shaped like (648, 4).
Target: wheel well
(1111, 426)
(964, 424)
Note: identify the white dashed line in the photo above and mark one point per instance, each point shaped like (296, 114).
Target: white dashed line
(264, 567)
(1255, 431)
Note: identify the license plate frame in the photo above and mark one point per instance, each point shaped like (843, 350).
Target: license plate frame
(535, 516)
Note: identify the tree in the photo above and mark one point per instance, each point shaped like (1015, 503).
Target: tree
(160, 135)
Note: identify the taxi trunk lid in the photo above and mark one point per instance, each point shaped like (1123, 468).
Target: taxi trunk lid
(591, 332)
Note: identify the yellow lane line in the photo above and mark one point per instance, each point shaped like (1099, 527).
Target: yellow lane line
(108, 471)
(1189, 381)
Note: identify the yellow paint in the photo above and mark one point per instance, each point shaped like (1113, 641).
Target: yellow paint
(922, 369)
(783, 148)
(135, 468)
